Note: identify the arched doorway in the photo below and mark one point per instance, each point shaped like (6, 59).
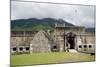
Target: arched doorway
(70, 40)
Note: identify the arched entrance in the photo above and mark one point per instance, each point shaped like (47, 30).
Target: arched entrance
(70, 40)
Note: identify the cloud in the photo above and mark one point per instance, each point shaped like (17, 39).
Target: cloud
(75, 14)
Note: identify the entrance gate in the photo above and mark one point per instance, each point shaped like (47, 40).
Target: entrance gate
(69, 40)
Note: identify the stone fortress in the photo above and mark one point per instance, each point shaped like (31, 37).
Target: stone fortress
(62, 38)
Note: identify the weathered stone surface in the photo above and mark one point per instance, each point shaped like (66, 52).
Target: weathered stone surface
(57, 40)
(40, 42)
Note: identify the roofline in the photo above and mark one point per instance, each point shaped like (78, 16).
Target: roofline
(71, 27)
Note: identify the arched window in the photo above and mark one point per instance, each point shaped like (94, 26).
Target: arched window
(80, 46)
(90, 46)
(54, 47)
(27, 48)
(14, 49)
(85, 46)
(20, 48)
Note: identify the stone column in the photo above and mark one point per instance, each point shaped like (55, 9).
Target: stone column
(79, 42)
(65, 47)
(61, 45)
(31, 49)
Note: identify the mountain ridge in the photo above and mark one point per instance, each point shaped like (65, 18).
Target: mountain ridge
(36, 24)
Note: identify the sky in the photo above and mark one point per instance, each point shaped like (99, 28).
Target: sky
(80, 15)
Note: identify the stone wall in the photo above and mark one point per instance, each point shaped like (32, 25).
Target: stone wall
(82, 38)
(20, 41)
(42, 41)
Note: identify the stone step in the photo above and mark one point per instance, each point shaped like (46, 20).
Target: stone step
(73, 50)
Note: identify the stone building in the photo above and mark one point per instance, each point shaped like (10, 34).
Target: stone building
(63, 38)
(73, 37)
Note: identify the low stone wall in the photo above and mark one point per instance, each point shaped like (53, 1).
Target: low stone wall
(20, 50)
(88, 48)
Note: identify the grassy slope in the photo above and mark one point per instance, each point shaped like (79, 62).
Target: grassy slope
(49, 58)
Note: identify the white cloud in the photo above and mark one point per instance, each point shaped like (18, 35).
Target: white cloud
(76, 14)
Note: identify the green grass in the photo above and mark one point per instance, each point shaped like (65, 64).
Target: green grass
(49, 58)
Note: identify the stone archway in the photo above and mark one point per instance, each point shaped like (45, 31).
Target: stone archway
(70, 40)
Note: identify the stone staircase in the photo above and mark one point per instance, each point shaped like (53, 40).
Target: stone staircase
(72, 50)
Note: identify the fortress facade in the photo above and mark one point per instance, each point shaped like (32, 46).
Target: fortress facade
(62, 38)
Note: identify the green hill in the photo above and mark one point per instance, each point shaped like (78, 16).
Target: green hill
(36, 24)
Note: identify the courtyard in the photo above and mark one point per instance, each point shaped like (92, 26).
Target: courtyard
(50, 58)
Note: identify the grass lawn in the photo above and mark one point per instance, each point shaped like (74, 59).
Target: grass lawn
(49, 58)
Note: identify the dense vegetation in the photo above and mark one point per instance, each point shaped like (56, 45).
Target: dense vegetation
(36, 24)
